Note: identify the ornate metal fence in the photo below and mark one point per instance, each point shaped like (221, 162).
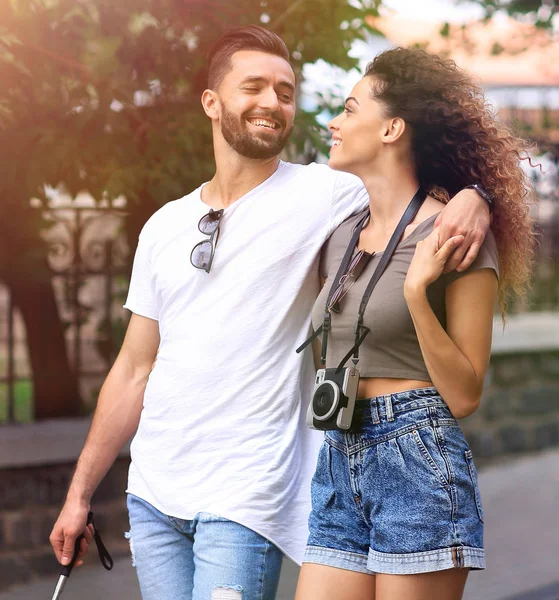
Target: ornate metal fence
(89, 260)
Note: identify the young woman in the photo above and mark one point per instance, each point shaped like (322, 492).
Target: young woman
(396, 508)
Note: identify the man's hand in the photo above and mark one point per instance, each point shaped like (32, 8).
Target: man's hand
(468, 215)
(69, 525)
(428, 262)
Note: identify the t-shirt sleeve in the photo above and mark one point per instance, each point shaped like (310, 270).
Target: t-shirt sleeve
(334, 248)
(141, 297)
(487, 258)
(348, 198)
(327, 256)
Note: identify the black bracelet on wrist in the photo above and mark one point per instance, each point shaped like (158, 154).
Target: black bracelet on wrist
(483, 194)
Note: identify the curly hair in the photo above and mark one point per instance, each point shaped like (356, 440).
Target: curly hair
(457, 141)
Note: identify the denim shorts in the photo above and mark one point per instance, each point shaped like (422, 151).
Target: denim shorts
(399, 493)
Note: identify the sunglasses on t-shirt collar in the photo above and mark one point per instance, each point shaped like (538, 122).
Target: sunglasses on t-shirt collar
(202, 254)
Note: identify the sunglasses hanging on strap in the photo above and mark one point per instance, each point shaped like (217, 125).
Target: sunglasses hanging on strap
(360, 330)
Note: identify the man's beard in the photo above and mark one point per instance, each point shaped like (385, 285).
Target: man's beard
(249, 144)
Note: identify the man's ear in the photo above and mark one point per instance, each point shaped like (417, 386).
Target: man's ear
(210, 104)
(394, 130)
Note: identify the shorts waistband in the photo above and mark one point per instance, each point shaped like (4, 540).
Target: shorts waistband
(388, 405)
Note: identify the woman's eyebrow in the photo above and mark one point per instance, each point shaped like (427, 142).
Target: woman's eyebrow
(352, 98)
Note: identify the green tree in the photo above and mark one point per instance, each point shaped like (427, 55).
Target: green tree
(103, 96)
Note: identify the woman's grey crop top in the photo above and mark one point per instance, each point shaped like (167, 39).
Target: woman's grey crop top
(391, 349)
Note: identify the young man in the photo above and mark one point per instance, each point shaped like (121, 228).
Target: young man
(221, 461)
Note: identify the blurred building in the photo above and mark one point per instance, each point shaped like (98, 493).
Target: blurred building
(515, 62)
(517, 65)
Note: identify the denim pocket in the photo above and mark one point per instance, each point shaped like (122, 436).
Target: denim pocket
(431, 453)
(473, 476)
(322, 484)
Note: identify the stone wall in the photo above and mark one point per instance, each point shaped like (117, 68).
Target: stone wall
(30, 500)
(519, 411)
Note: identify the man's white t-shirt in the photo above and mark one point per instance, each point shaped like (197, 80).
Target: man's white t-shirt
(222, 429)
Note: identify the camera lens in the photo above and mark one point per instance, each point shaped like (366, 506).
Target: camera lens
(325, 400)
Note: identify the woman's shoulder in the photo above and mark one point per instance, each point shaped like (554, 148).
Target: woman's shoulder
(487, 258)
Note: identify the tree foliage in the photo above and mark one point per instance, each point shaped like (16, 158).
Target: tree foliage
(541, 12)
(104, 96)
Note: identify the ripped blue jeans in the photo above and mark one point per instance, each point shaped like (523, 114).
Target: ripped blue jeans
(206, 558)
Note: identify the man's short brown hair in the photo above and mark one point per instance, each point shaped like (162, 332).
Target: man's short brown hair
(252, 37)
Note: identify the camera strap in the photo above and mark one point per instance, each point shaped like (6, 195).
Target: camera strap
(325, 327)
(361, 331)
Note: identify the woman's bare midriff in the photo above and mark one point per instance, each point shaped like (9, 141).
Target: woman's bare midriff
(380, 386)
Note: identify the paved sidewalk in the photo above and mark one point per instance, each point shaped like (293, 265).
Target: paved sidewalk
(521, 502)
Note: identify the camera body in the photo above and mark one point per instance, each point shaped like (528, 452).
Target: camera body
(333, 400)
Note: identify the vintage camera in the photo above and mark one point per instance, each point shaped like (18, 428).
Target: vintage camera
(333, 400)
